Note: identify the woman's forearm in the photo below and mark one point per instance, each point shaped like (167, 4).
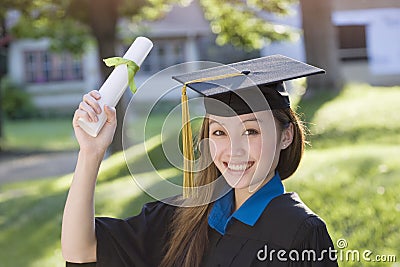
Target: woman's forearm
(78, 239)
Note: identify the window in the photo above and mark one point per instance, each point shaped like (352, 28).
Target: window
(42, 66)
(165, 53)
(352, 42)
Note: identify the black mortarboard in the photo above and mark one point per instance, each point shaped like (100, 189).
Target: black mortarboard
(236, 89)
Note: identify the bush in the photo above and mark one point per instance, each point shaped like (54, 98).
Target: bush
(15, 102)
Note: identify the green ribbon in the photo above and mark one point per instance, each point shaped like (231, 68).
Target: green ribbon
(131, 66)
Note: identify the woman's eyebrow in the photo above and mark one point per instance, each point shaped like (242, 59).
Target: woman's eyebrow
(248, 120)
(252, 119)
(213, 121)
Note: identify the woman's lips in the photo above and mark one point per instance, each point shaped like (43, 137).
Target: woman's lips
(239, 166)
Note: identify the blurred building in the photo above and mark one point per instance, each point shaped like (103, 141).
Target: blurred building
(368, 34)
(369, 37)
(58, 81)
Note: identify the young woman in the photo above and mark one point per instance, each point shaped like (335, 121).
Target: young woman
(255, 223)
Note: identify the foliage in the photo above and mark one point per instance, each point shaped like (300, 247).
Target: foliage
(241, 23)
(50, 19)
(15, 102)
(66, 34)
(70, 22)
(147, 10)
(24, 5)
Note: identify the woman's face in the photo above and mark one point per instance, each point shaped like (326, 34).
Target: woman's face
(245, 148)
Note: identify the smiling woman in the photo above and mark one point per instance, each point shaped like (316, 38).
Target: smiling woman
(249, 142)
(245, 148)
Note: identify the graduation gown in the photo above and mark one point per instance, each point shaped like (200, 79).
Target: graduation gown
(288, 233)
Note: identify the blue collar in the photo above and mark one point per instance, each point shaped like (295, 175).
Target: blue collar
(250, 211)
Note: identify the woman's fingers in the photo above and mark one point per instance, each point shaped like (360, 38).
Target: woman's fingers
(90, 106)
(80, 114)
(86, 112)
(110, 113)
(92, 100)
(89, 110)
(95, 94)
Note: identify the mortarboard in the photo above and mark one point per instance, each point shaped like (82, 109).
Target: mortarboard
(236, 89)
(238, 86)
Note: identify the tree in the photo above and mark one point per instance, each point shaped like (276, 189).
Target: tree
(73, 23)
(242, 24)
(3, 35)
(70, 22)
(321, 44)
(4, 40)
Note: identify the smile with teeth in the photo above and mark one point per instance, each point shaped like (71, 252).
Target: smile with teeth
(239, 166)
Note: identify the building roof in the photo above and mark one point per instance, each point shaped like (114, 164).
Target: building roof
(364, 4)
(180, 21)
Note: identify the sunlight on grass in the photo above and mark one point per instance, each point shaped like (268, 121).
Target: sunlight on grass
(355, 190)
(359, 114)
(39, 134)
(357, 107)
(114, 198)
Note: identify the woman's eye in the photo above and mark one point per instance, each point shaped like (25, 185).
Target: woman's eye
(251, 132)
(218, 133)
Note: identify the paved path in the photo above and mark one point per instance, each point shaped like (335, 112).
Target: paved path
(24, 166)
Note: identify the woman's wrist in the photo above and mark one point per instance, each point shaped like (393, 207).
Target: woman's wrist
(95, 154)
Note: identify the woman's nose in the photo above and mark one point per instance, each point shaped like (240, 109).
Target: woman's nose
(239, 146)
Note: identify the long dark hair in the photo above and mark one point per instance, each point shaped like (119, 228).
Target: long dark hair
(290, 157)
(189, 228)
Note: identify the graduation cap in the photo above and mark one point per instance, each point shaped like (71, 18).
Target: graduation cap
(236, 89)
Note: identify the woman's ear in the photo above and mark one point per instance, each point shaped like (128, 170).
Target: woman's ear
(287, 136)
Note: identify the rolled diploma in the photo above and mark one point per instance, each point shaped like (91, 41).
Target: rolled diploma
(115, 85)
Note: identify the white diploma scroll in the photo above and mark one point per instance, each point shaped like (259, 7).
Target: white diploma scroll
(115, 85)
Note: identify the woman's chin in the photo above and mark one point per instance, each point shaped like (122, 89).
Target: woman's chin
(237, 183)
(245, 183)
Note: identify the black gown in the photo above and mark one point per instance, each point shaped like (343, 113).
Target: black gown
(288, 233)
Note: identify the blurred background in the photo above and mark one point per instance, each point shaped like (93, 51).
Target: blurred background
(51, 54)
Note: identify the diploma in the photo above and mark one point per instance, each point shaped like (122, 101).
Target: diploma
(117, 82)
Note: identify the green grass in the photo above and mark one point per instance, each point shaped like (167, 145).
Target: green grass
(355, 189)
(359, 114)
(349, 176)
(39, 135)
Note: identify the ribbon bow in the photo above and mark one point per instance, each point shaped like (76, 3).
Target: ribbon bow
(131, 66)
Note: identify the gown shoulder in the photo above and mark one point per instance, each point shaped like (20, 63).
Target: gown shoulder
(287, 224)
(135, 241)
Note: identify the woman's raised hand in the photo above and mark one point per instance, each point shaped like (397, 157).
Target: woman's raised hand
(88, 109)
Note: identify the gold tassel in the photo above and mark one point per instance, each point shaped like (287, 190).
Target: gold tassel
(187, 136)
(187, 146)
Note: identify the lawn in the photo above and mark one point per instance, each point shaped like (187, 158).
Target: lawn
(349, 176)
(48, 134)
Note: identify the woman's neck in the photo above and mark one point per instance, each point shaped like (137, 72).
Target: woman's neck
(242, 194)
